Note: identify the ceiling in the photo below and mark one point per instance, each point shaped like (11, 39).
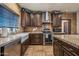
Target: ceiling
(67, 7)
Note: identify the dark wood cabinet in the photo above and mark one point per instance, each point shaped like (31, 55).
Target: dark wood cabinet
(36, 38)
(28, 20)
(64, 49)
(0, 51)
(33, 19)
(15, 48)
(12, 49)
(25, 19)
(56, 19)
(24, 46)
(66, 52)
(36, 20)
(57, 48)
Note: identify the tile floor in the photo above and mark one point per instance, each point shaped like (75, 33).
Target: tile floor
(39, 50)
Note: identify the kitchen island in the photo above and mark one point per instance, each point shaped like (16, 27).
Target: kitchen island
(13, 44)
(66, 45)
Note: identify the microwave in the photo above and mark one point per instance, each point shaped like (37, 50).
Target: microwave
(56, 29)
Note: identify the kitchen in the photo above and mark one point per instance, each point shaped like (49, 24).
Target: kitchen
(47, 29)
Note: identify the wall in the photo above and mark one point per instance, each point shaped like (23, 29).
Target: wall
(77, 22)
(74, 24)
(30, 29)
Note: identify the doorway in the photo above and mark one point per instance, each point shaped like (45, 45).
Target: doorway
(66, 26)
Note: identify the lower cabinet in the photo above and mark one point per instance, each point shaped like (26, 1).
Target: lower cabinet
(24, 46)
(36, 38)
(12, 49)
(0, 51)
(61, 48)
(57, 48)
(66, 53)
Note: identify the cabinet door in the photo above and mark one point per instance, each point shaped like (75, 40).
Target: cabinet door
(12, 49)
(28, 21)
(38, 20)
(69, 50)
(56, 20)
(36, 39)
(57, 48)
(67, 53)
(23, 19)
(33, 20)
(24, 46)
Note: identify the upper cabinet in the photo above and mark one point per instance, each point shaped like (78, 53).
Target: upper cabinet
(56, 19)
(38, 20)
(28, 20)
(25, 19)
(31, 19)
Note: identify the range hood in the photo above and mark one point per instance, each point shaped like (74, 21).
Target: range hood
(45, 16)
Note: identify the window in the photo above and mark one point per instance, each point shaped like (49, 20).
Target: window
(7, 18)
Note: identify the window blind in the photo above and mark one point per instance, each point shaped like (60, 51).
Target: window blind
(8, 18)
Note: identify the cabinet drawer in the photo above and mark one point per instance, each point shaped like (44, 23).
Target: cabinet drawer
(74, 51)
(65, 48)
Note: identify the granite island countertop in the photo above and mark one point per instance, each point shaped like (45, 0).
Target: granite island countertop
(70, 39)
(11, 38)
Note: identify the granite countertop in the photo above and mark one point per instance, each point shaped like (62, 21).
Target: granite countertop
(10, 38)
(35, 32)
(70, 39)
